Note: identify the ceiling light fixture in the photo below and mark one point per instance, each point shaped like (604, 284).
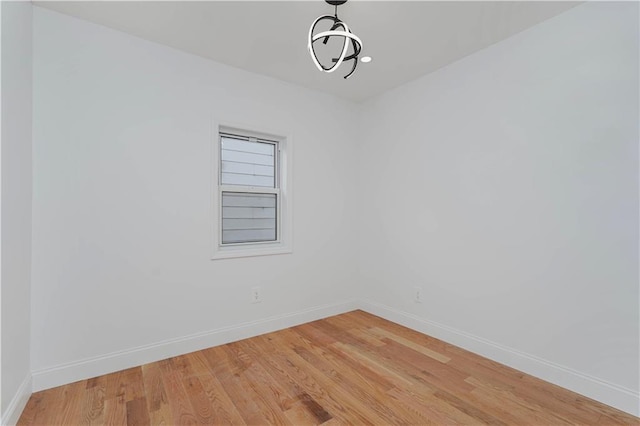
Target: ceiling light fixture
(338, 29)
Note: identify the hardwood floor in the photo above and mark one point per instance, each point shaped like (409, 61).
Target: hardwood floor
(353, 368)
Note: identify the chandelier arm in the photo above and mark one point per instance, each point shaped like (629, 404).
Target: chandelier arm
(353, 69)
(353, 55)
(345, 46)
(345, 34)
(318, 36)
(335, 25)
(356, 48)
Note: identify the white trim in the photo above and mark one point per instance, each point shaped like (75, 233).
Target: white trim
(116, 361)
(1, 103)
(17, 404)
(608, 393)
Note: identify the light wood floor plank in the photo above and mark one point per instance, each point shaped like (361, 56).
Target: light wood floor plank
(115, 411)
(93, 405)
(382, 334)
(354, 368)
(183, 413)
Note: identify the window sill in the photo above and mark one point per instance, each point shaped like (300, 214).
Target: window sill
(234, 252)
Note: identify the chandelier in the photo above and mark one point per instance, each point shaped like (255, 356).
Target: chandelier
(351, 44)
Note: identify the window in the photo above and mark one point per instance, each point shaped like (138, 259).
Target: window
(253, 206)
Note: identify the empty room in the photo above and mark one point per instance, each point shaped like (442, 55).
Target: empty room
(319, 212)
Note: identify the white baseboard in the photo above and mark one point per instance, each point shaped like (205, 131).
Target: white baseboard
(116, 361)
(608, 393)
(17, 404)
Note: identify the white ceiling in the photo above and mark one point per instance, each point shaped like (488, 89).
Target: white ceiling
(406, 39)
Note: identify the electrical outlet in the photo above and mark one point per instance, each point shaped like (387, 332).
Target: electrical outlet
(256, 297)
(417, 295)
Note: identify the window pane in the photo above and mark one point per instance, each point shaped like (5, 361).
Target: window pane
(247, 163)
(248, 218)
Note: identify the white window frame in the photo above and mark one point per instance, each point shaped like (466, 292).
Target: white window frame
(283, 179)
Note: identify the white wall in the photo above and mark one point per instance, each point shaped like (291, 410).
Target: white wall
(506, 186)
(16, 206)
(123, 133)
